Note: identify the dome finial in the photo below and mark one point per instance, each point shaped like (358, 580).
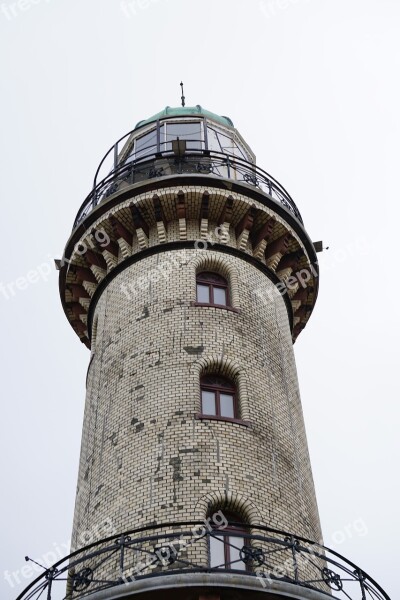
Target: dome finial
(182, 97)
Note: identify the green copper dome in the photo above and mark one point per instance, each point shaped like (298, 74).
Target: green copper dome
(185, 111)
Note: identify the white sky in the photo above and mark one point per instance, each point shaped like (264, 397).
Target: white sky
(313, 86)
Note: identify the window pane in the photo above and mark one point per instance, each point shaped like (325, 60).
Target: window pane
(208, 402)
(234, 552)
(226, 143)
(147, 144)
(240, 152)
(203, 293)
(220, 296)
(185, 131)
(220, 142)
(213, 140)
(217, 557)
(226, 404)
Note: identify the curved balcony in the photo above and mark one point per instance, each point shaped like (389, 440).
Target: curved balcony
(178, 556)
(180, 161)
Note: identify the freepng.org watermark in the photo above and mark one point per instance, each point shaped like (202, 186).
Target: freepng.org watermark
(270, 8)
(43, 271)
(131, 8)
(169, 552)
(163, 555)
(11, 10)
(290, 284)
(302, 277)
(59, 551)
(306, 558)
(165, 267)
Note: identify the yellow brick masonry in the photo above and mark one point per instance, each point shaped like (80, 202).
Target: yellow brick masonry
(146, 458)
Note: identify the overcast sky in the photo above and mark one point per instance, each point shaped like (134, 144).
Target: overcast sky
(313, 86)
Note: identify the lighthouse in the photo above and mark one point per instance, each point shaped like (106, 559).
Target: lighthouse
(189, 275)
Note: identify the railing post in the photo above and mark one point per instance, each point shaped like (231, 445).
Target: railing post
(115, 155)
(361, 579)
(228, 164)
(121, 543)
(49, 577)
(293, 544)
(295, 565)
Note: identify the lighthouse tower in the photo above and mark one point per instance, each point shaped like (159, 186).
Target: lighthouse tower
(189, 275)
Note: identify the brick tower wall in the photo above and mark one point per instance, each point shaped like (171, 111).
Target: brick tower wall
(146, 457)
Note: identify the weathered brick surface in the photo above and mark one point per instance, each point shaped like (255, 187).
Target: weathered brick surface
(145, 456)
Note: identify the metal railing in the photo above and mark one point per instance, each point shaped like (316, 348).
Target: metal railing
(265, 554)
(205, 162)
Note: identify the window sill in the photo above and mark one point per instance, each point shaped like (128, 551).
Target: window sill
(230, 308)
(202, 417)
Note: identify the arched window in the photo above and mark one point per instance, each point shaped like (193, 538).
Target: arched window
(212, 289)
(228, 546)
(218, 397)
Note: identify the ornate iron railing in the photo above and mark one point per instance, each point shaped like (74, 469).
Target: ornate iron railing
(206, 162)
(265, 554)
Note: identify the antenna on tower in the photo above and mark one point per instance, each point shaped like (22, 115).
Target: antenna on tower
(36, 563)
(182, 97)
